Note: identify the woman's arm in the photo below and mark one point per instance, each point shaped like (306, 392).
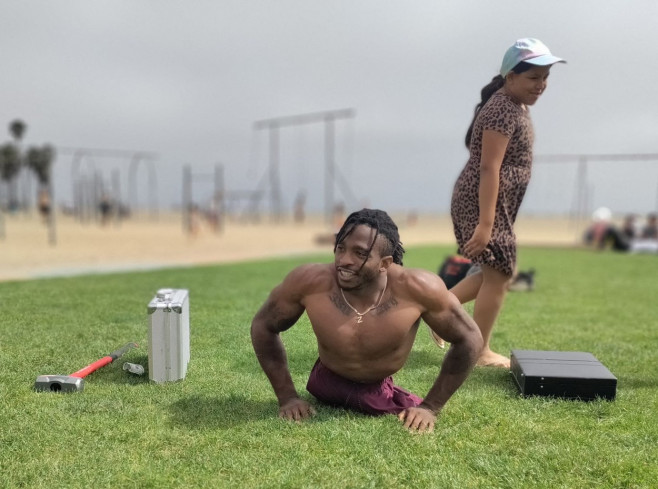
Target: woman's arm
(494, 145)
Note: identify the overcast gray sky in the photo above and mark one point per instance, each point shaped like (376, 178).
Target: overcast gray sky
(187, 79)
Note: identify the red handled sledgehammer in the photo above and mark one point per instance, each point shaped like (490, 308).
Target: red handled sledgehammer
(75, 382)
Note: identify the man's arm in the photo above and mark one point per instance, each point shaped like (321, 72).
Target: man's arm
(456, 326)
(444, 315)
(280, 312)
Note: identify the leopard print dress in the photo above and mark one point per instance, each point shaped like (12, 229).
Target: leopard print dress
(503, 115)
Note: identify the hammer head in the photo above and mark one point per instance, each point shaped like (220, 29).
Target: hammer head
(59, 383)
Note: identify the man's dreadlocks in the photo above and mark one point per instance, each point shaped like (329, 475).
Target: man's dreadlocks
(382, 223)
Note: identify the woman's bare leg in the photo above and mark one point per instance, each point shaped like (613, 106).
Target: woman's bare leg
(488, 304)
(466, 290)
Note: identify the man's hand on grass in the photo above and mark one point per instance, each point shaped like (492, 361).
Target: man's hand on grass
(296, 410)
(418, 419)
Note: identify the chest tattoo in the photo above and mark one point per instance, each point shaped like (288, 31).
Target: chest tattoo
(385, 306)
(340, 304)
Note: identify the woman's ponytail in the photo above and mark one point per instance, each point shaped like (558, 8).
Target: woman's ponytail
(494, 85)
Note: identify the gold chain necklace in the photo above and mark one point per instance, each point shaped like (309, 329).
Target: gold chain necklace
(359, 315)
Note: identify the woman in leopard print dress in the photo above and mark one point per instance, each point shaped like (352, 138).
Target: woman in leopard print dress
(489, 190)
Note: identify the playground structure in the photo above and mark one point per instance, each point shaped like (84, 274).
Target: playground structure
(332, 174)
(618, 175)
(191, 210)
(220, 203)
(245, 205)
(570, 184)
(95, 197)
(90, 187)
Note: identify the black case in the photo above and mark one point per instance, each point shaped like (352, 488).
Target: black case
(567, 374)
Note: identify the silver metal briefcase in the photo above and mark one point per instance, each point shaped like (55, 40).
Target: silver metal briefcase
(169, 335)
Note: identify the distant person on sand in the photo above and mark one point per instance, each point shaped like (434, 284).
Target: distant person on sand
(105, 208)
(648, 240)
(602, 233)
(44, 205)
(365, 310)
(338, 216)
(489, 191)
(299, 214)
(629, 227)
(193, 220)
(650, 229)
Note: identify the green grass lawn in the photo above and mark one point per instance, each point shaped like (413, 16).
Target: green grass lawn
(219, 426)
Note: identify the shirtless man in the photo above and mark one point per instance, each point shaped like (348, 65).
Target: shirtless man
(365, 310)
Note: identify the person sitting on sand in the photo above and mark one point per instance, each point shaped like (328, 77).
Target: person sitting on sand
(650, 229)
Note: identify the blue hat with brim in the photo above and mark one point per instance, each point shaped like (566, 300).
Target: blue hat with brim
(528, 50)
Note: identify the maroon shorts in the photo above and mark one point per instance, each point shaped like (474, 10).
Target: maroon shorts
(375, 398)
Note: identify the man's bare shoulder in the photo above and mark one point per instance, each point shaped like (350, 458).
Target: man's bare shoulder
(418, 284)
(310, 278)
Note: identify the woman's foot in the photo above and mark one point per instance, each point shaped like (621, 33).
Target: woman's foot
(440, 342)
(489, 358)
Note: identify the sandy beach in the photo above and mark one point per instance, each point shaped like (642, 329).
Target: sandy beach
(28, 251)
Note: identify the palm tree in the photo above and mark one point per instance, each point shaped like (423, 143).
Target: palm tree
(40, 160)
(10, 165)
(17, 129)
